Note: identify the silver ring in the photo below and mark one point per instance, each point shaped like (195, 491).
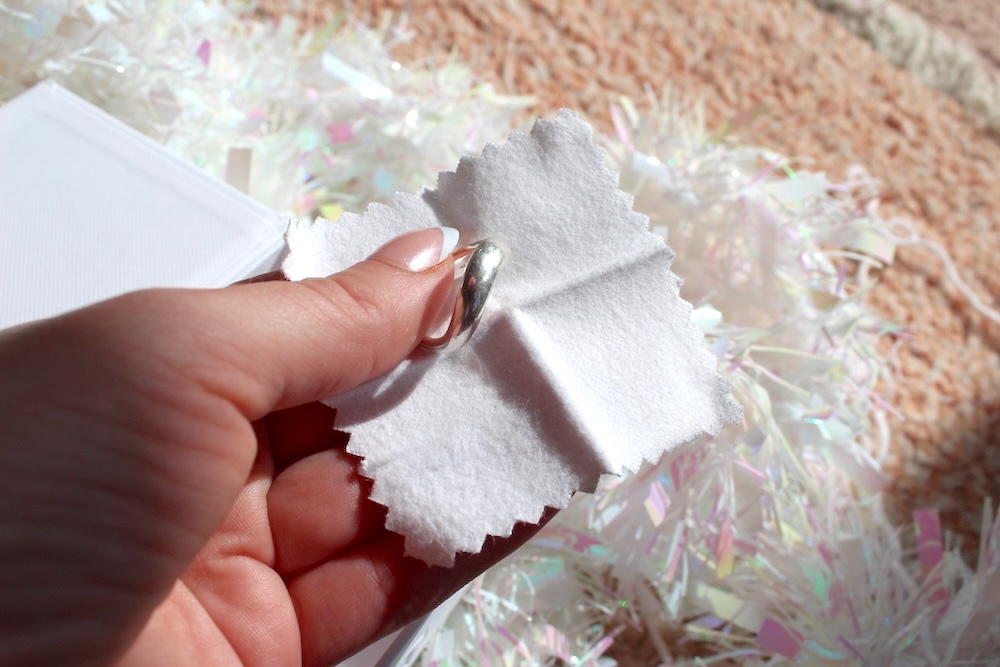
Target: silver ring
(482, 263)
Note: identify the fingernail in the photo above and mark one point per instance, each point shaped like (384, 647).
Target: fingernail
(419, 250)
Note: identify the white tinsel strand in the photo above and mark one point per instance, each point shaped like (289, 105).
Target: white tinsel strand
(331, 120)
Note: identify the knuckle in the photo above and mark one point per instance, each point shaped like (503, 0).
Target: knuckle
(351, 302)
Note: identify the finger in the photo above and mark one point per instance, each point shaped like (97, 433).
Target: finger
(276, 344)
(303, 341)
(318, 502)
(318, 508)
(387, 590)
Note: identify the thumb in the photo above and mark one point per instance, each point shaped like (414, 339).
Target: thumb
(261, 346)
(307, 340)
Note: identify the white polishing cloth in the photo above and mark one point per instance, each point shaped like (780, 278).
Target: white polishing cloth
(585, 362)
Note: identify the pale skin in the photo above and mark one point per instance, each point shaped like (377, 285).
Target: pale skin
(172, 494)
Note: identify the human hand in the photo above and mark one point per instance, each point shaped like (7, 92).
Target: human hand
(171, 493)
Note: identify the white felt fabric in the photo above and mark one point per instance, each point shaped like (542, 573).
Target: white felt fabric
(585, 361)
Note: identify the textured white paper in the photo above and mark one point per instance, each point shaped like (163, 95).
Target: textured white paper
(585, 362)
(90, 208)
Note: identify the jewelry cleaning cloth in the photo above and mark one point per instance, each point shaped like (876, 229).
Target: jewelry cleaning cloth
(585, 362)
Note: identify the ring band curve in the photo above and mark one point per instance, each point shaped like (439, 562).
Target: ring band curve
(483, 261)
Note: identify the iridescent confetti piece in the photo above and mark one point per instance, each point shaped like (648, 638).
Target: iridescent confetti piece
(238, 165)
(930, 549)
(656, 504)
(774, 636)
(204, 52)
(863, 239)
(331, 212)
(929, 539)
(724, 556)
(728, 606)
(340, 133)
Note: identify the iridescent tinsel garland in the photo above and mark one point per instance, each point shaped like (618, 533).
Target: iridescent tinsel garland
(767, 545)
(329, 120)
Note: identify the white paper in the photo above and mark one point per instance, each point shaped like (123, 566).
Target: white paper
(586, 360)
(90, 208)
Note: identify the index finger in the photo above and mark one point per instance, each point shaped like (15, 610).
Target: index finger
(362, 595)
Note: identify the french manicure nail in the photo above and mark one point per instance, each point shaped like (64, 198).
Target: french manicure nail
(419, 250)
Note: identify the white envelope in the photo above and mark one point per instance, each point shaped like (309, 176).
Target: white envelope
(90, 208)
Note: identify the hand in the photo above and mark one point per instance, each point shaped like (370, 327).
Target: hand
(172, 494)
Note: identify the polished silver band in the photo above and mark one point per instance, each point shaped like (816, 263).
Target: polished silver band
(481, 263)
